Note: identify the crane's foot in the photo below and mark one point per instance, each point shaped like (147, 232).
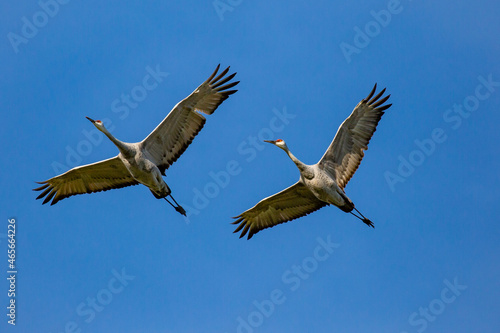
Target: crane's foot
(368, 222)
(177, 207)
(363, 218)
(180, 210)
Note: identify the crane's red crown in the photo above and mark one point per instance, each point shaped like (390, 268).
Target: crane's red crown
(279, 140)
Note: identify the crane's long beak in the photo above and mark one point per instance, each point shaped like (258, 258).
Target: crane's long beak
(270, 141)
(92, 120)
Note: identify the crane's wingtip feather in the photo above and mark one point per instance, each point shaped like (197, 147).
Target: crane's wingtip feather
(371, 93)
(41, 187)
(224, 72)
(380, 102)
(239, 218)
(227, 86)
(213, 74)
(221, 82)
(384, 107)
(238, 228)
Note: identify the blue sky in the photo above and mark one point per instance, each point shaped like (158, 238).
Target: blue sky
(122, 261)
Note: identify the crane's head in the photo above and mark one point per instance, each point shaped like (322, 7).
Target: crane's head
(278, 143)
(97, 123)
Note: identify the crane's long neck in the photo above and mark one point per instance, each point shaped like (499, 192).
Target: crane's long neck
(122, 146)
(304, 168)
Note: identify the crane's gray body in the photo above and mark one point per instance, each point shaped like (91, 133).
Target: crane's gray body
(324, 187)
(142, 169)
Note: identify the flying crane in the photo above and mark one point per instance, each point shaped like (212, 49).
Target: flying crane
(323, 183)
(145, 162)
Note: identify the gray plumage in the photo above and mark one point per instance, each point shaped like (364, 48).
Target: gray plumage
(323, 183)
(145, 162)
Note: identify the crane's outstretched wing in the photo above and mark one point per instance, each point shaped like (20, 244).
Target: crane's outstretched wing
(176, 132)
(289, 204)
(345, 153)
(101, 176)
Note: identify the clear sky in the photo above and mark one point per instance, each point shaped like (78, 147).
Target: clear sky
(123, 261)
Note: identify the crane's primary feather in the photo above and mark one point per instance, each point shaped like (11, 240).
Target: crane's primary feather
(176, 132)
(289, 204)
(343, 156)
(100, 176)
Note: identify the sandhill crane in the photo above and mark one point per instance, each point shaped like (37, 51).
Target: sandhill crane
(323, 183)
(145, 162)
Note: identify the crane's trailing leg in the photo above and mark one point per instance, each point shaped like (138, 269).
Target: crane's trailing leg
(363, 218)
(178, 207)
